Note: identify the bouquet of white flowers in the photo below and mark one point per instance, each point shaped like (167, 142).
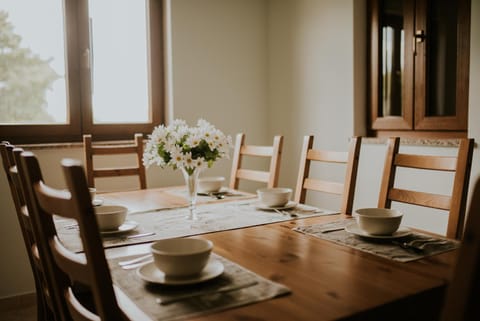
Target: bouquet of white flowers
(190, 148)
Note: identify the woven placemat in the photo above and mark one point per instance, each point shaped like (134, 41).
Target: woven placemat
(145, 295)
(412, 247)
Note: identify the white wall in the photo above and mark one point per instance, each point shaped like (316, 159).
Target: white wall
(264, 67)
(311, 56)
(219, 66)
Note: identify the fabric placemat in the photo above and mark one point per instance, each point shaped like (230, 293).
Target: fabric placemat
(171, 223)
(144, 294)
(204, 197)
(164, 198)
(409, 248)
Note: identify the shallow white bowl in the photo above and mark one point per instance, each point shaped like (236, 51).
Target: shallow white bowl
(110, 217)
(378, 221)
(276, 196)
(210, 184)
(180, 257)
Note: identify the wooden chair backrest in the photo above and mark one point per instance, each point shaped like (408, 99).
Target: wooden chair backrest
(45, 304)
(346, 189)
(91, 149)
(461, 301)
(455, 203)
(67, 268)
(269, 177)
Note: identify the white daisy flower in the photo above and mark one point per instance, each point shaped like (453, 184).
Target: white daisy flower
(188, 160)
(193, 140)
(177, 158)
(200, 163)
(172, 145)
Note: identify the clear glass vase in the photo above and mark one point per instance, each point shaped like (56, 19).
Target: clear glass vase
(191, 182)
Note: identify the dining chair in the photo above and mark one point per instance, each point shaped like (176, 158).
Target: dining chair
(461, 300)
(455, 203)
(241, 150)
(135, 148)
(346, 189)
(44, 302)
(70, 271)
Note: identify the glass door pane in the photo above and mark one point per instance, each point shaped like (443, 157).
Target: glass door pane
(119, 67)
(442, 57)
(392, 57)
(32, 62)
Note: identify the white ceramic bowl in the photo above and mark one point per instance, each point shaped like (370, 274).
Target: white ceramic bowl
(179, 257)
(276, 196)
(378, 221)
(110, 217)
(210, 184)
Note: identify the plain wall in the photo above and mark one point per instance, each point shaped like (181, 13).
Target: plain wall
(263, 67)
(311, 68)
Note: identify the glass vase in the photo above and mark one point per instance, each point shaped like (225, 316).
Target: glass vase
(191, 182)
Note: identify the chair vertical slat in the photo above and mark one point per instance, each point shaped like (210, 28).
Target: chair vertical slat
(275, 159)
(351, 174)
(456, 219)
(300, 192)
(237, 160)
(389, 170)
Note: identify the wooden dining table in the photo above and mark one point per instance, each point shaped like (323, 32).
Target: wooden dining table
(328, 281)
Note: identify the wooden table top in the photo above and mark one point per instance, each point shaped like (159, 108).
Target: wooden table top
(328, 281)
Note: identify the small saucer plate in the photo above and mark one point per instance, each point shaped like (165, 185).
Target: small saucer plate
(97, 202)
(125, 227)
(150, 273)
(353, 228)
(264, 207)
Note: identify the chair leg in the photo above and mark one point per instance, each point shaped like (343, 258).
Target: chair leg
(44, 311)
(41, 307)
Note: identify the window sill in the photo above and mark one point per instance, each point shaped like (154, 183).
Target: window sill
(70, 145)
(431, 142)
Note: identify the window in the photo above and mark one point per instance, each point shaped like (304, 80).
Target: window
(418, 73)
(80, 66)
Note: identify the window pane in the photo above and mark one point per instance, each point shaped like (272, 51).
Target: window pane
(392, 57)
(442, 54)
(32, 62)
(119, 63)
